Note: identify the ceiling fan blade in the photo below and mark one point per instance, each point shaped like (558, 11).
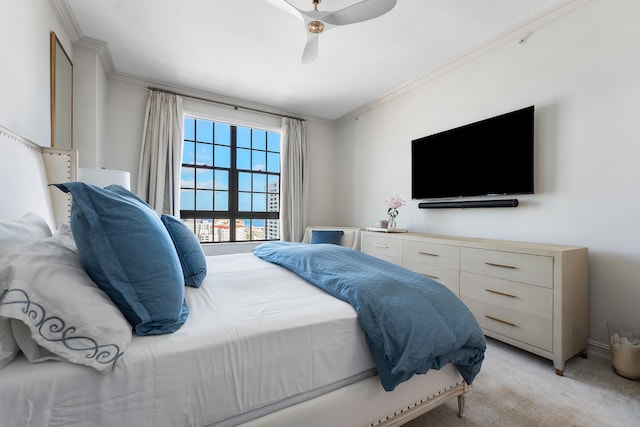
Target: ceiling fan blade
(362, 11)
(287, 7)
(310, 49)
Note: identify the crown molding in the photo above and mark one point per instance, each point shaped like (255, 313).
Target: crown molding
(101, 49)
(68, 20)
(72, 28)
(519, 34)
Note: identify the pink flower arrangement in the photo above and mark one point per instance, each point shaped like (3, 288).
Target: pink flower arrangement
(392, 209)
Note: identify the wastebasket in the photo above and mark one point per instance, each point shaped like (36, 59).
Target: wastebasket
(625, 349)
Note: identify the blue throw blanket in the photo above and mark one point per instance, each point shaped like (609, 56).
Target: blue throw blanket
(412, 323)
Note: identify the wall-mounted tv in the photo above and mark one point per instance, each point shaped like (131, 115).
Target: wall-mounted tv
(490, 157)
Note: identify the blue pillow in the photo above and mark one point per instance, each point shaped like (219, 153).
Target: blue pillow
(190, 252)
(326, 236)
(119, 189)
(128, 252)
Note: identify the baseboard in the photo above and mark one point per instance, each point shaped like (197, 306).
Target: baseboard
(597, 349)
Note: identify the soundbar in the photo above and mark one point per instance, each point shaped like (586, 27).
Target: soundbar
(504, 203)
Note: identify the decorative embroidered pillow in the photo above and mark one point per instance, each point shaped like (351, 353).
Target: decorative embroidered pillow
(13, 233)
(128, 252)
(57, 311)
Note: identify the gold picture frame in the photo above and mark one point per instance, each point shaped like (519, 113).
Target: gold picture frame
(61, 95)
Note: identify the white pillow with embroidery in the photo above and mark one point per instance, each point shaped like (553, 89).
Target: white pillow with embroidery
(13, 233)
(64, 315)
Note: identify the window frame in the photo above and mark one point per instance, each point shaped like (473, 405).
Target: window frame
(233, 214)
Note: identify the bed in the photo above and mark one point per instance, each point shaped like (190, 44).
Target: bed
(260, 346)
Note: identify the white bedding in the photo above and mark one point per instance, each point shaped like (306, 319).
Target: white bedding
(257, 336)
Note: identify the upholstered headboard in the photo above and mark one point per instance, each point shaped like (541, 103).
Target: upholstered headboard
(26, 169)
(350, 238)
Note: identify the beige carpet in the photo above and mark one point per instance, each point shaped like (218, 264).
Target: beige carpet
(516, 388)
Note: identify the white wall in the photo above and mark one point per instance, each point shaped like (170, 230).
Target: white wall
(126, 105)
(323, 183)
(582, 72)
(25, 66)
(90, 85)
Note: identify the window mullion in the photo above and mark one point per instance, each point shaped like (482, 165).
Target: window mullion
(233, 186)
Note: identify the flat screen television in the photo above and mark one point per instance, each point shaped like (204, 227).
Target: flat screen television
(486, 158)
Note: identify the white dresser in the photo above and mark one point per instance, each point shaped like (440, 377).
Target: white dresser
(530, 295)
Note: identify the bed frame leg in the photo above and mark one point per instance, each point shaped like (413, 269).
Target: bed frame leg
(461, 402)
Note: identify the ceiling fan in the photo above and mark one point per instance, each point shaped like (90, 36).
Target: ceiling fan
(317, 22)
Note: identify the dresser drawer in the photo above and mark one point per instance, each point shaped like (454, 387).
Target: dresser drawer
(532, 330)
(523, 298)
(447, 276)
(383, 247)
(525, 268)
(431, 253)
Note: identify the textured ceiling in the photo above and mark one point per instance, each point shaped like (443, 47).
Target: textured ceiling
(251, 50)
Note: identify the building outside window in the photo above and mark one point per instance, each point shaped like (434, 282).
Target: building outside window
(230, 181)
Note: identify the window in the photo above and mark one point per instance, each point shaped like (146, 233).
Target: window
(230, 182)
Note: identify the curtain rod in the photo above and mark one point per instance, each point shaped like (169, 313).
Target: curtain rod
(224, 103)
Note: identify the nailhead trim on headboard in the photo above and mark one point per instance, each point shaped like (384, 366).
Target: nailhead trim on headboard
(61, 165)
(26, 170)
(22, 141)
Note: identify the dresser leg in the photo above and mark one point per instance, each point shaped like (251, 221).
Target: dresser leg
(560, 372)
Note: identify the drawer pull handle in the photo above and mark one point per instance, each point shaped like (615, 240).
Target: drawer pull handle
(501, 293)
(501, 265)
(430, 276)
(427, 253)
(501, 321)
(382, 246)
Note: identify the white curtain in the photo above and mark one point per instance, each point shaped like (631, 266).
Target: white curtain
(161, 153)
(294, 181)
